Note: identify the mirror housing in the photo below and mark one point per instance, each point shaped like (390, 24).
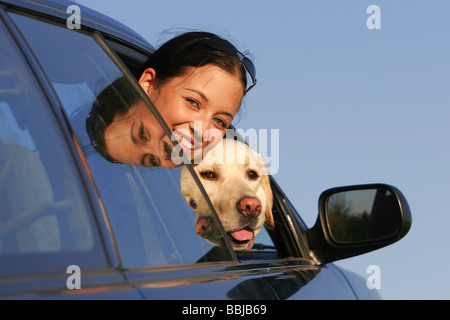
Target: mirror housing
(358, 219)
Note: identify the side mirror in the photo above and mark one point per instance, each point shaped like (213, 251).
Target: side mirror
(358, 219)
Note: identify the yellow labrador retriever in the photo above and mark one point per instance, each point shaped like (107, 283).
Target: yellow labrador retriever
(236, 180)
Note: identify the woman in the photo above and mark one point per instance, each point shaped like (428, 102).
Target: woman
(196, 81)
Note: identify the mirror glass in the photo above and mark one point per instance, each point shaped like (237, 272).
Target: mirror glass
(363, 215)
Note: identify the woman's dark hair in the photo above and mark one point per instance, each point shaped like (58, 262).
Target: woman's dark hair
(116, 98)
(191, 49)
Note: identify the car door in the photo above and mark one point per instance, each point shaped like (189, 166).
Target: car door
(148, 221)
(49, 236)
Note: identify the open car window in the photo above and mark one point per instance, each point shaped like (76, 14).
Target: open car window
(151, 220)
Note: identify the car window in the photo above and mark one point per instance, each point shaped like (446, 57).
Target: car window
(151, 220)
(45, 220)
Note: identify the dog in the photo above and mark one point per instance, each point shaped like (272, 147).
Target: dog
(237, 182)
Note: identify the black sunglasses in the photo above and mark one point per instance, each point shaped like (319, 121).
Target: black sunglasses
(228, 48)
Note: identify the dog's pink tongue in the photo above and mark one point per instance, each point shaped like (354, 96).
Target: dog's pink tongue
(242, 235)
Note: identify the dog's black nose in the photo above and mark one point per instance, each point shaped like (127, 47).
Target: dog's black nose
(250, 207)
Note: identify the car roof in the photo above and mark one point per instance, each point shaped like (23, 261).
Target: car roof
(89, 18)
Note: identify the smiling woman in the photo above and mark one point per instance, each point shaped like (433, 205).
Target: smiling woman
(196, 81)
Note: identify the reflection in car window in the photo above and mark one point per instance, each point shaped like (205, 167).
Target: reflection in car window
(150, 219)
(43, 215)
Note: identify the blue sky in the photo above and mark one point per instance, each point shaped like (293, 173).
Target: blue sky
(352, 106)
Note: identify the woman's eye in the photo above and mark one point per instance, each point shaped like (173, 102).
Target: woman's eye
(221, 123)
(153, 161)
(193, 103)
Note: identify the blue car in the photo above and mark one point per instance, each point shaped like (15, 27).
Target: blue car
(76, 226)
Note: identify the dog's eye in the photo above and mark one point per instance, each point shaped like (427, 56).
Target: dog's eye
(208, 175)
(193, 204)
(253, 175)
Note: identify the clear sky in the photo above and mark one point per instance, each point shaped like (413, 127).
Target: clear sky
(352, 105)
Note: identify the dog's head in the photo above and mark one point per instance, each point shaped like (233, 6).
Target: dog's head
(237, 182)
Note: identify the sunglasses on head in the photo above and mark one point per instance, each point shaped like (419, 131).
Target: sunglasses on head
(228, 48)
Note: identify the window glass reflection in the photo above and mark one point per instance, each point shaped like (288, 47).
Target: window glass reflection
(44, 218)
(150, 219)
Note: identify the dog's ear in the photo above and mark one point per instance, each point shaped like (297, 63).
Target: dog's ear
(269, 222)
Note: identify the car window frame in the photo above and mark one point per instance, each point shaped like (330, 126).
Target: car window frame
(98, 38)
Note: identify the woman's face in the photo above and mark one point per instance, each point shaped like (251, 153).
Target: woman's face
(197, 106)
